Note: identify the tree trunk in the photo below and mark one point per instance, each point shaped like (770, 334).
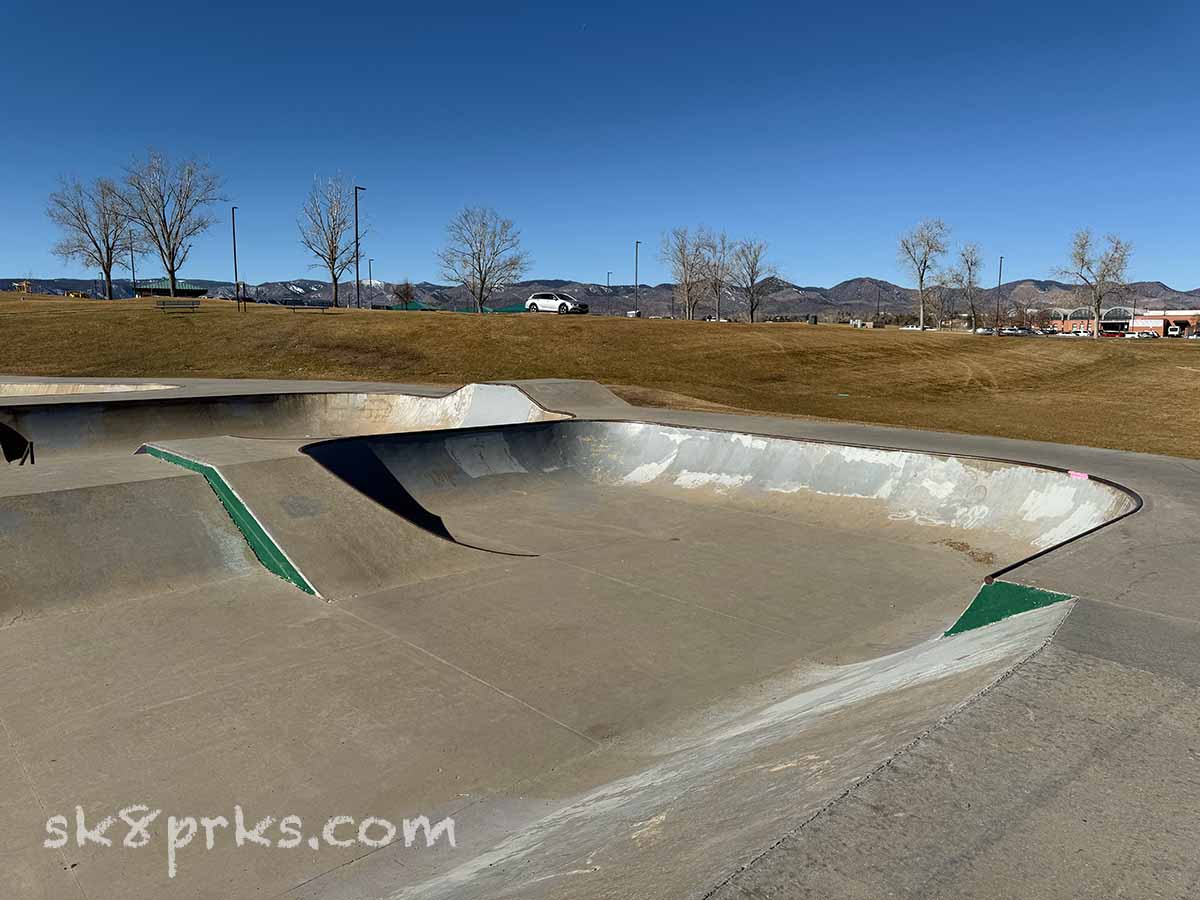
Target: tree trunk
(171, 276)
(1096, 325)
(921, 300)
(333, 276)
(108, 284)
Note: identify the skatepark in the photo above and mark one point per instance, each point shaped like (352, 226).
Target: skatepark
(633, 652)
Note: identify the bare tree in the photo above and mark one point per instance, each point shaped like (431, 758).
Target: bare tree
(483, 253)
(964, 277)
(920, 250)
(94, 225)
(749, 270)
(169, 204)
(403, 293)
(681, 251)
(716, 264)
(1099, 272)
(326, 226)
(940, 299)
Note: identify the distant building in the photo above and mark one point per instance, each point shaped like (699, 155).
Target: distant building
(1116, 321)
(162, 288)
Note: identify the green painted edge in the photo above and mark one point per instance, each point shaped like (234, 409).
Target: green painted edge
(999, 600)
(268, 552)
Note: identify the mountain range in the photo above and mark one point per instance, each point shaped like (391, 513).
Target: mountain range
(856, 297)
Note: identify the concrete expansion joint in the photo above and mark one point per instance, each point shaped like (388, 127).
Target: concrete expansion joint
(943, 722)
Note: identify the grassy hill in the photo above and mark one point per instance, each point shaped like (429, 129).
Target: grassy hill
(1135, 395)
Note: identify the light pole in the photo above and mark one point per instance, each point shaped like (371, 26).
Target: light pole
(637, 246)
(357, 287)
(132, 269)
(237, 291)
(608, 280)
(370, 277)
(999, 276)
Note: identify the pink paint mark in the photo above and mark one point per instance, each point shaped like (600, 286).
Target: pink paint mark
(1082, 475)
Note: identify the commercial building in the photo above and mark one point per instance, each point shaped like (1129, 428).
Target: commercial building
(1117, 320)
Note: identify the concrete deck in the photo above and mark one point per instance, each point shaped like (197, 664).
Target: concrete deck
(617, 690)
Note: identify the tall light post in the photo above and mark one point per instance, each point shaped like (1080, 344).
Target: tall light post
(999, 276)
(370, 277)
(237, 290)
(608, 280)
(132, 269)
(357, 285)
(637, 246)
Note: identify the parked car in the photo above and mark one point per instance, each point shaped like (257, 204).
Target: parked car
(1174, 331)
(985, 330)
(1194, 336)
(555, 302)
(1147, 334)
(910, 327)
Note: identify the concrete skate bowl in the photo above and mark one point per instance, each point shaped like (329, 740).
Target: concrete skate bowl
(820, 588)
(716, 635)
(69, 429)
(517, 487)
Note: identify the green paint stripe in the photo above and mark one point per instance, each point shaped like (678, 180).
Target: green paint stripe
(268, 552)
(1002, 599)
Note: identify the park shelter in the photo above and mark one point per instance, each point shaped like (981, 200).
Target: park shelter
(161, 287)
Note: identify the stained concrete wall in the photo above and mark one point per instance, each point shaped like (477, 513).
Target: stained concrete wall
(56, 388)
(70, 429)
(1036, 506)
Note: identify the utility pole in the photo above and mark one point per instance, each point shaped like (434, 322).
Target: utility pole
(357, 286)
(637, 245)
(877, 302)
(132, 269)
(237, 290)
(608, 280)
(370, 277)
(999, 277)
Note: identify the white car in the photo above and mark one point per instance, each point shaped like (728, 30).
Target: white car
(556, 302)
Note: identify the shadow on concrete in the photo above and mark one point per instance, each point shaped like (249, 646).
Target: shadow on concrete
(355, 463)
(14, 445)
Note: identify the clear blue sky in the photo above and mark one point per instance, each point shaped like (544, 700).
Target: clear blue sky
(825, 129)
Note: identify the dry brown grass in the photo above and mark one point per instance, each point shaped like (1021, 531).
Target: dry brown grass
(1122, 394)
